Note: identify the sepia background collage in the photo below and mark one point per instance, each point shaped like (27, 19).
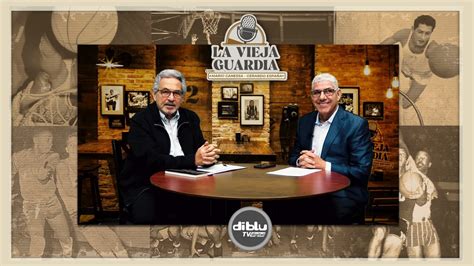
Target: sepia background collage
(44, 114)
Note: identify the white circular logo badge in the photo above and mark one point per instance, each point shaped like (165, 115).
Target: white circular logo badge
(250, 228)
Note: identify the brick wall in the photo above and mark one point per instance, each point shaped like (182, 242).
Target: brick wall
(346, 63)
(298, 61)
(141, 56)
(139, 76)
(192, 61)
(226, 128)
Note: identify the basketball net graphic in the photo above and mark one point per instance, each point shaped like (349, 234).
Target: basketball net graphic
(210, 21)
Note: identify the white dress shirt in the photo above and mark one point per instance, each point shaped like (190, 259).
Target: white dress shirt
(171, 126)
(319, 135)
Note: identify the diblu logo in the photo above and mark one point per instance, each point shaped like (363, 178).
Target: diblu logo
(245, 54)
(250, 228)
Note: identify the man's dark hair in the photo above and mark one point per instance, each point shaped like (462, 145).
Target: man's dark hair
(424, 19)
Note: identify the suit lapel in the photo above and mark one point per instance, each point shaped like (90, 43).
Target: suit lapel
(334, 130)
(308, 138)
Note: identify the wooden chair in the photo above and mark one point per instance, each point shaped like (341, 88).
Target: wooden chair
(383, 206)
(120, 150)
(89, 173)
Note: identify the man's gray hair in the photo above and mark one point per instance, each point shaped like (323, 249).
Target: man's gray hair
(325, 77)
(169, 73)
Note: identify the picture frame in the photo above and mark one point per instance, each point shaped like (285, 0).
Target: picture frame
(246, 88)
(373, 110)
(350, 99)
(230, 93)
(117, 122)
(112, 99)
(251, 110)
(130, 113)
(228, 110)
(137, 99)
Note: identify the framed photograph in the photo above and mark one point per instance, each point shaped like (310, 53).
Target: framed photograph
(251, 110)
(130, 113)
(137, 99)
(350, 99)
(228, 110)
(230, 93)
(117, 121)
(246, 87)
(373, 110)
(111, 99)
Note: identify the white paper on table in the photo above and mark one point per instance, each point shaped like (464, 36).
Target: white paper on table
(294, 171)
(220, 168)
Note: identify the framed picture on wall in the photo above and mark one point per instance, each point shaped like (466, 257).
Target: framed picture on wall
(130, 113)
(111, 99)
(228, 110)
(137, 99)
(117, 121)
(350, 99)
(246, 87)
(373, 110)
(251, 110)
(230, 93)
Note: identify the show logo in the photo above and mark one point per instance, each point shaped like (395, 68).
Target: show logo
(245, 54)
(250, 228)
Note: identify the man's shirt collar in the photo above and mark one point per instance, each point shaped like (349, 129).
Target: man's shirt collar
(329, 121)
(166, 120)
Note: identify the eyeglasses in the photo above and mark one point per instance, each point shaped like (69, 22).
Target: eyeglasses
(327, 92)
(167, 93)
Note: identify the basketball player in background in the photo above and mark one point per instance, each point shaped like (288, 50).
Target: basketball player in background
(422, 237)
(161, 233)
(101, 238)
(387, 242)
(311, 231)
(203, 238)
(416, 48)
(43, 76)
(36, 170)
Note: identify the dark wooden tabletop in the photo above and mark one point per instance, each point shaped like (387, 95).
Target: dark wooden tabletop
(253, 184)
(101, 146)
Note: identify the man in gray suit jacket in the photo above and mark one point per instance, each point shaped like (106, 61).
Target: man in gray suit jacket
(333, 139)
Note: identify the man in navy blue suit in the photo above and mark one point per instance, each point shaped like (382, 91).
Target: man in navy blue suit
(333, 139)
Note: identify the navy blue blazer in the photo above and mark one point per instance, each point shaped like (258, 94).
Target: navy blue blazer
(347, 147)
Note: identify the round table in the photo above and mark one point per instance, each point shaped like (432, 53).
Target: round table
(253, 184)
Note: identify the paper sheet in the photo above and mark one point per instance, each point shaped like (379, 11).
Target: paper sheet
(220, 168)
(293, 171)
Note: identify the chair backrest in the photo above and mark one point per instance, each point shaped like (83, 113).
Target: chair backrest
(118, 154)
(383, 205)
(120, 150)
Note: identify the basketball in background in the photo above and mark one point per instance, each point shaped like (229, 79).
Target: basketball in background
(411, 185)
(444, 60)
(86, 27)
